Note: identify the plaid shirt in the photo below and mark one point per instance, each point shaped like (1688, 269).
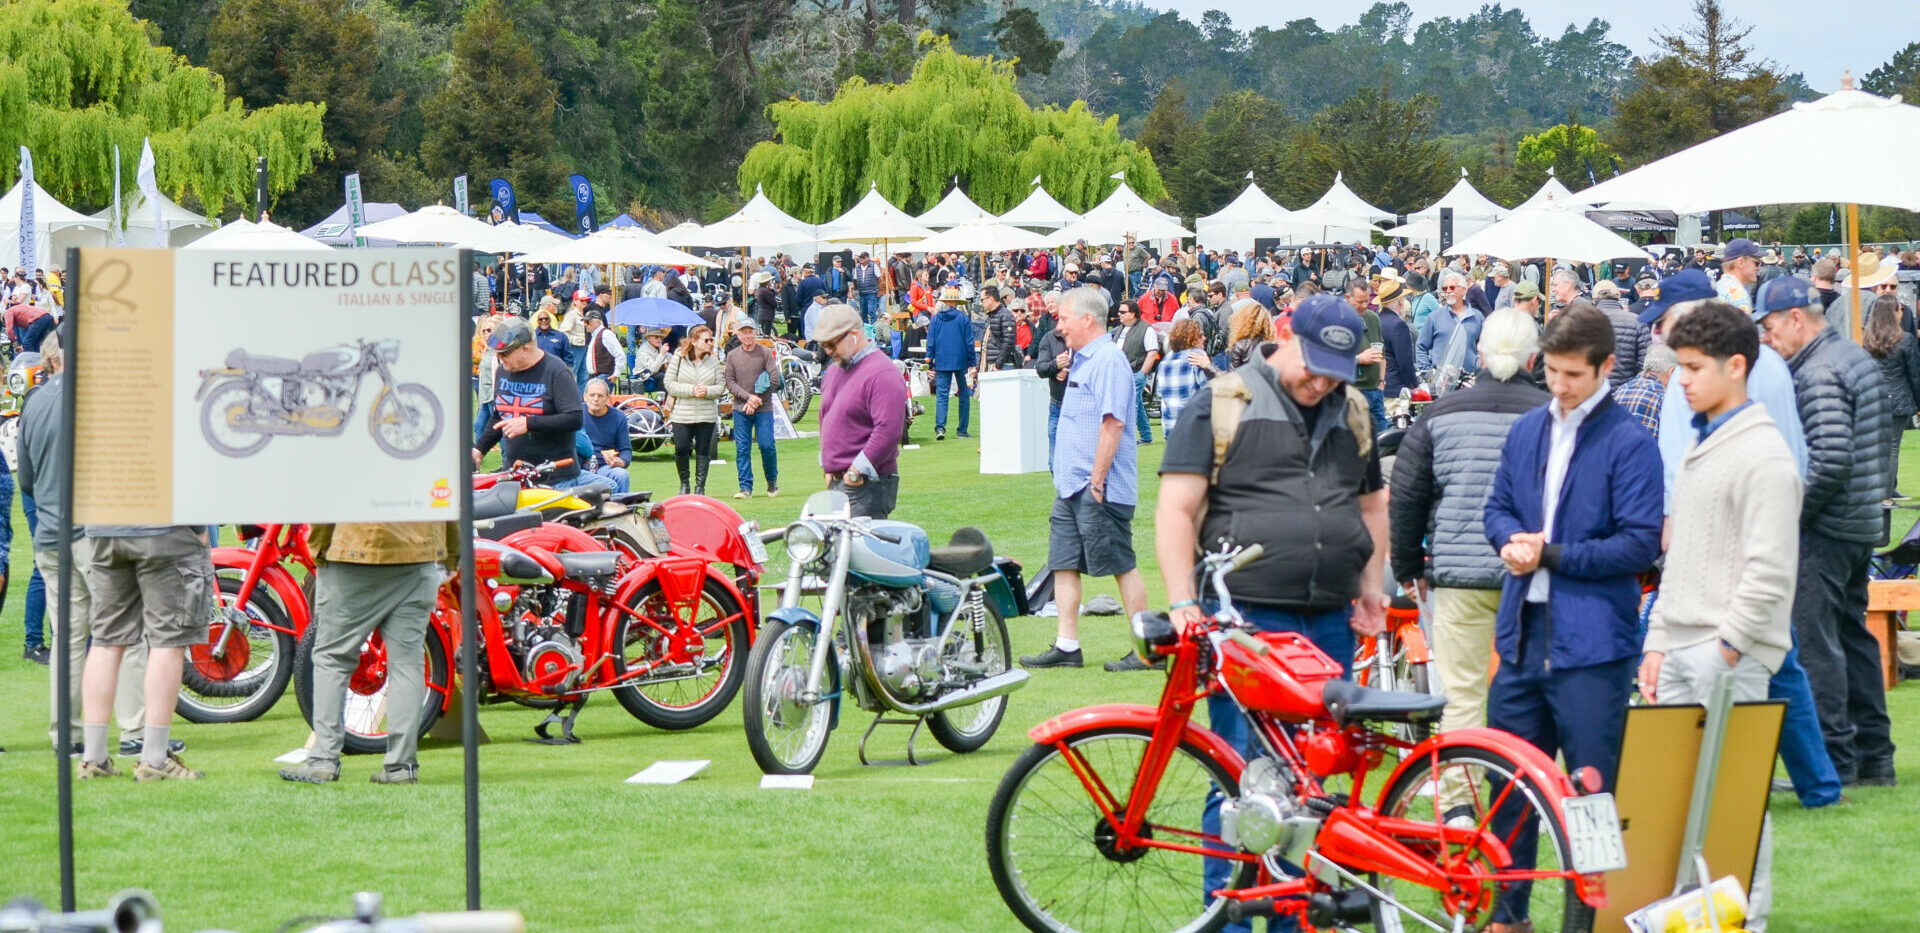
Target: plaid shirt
(1641, 395)
(1179, 381)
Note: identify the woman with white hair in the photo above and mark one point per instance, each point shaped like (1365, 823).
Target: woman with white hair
(1441, 477)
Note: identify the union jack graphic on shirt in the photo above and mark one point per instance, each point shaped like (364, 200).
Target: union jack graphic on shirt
(516, 399)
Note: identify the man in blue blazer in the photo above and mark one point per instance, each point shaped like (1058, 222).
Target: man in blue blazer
(1575, 513)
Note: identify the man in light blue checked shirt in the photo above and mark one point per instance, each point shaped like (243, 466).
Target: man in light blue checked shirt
(1095, 477)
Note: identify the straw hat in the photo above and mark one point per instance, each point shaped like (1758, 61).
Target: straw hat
(1873, 272)
(952, 295)
(1391, 290)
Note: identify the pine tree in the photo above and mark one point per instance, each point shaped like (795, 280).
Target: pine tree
(78, 77)
(1706, 82)
(1383, 148)
(677, 103)
(494, 115)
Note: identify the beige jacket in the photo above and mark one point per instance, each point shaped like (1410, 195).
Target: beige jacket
(387, 542)
(682, 375)
(1734, 557)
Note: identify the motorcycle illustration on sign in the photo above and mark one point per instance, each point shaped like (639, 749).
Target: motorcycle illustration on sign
(252, 398)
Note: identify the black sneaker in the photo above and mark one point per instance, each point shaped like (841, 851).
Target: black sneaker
(1052, 657)
(940, 434)
(38, 654)
(1132, 662)
(131, 748)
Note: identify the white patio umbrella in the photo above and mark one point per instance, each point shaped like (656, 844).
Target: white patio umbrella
(682, 234)
(1039, 210)
(1325, 223)
(245, 234)
(626, 246)
(759, 224)
(953, 210)
(507, 238)
(1728, 171)
(435, 223)
(982, 236)
(1552, 232)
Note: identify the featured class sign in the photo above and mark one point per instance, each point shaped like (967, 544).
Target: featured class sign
(257, 387)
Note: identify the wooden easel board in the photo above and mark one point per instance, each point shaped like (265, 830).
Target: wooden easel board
(1658, 756)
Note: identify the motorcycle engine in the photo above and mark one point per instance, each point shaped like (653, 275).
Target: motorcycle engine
(539, 637)
(893, 620)
(1266, 818)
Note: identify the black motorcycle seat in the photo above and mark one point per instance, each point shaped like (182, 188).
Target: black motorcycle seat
(633, 498)
(495, 501)
(589, 564)
(1403, 602)
(1347, 701)
(264, 365)
(967, 554)
(593, 495)
(493, 529)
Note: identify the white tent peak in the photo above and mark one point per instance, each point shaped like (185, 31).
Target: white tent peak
(1341, 199)
(872, 208)
(1248, 217)
(1039, 210)
(953, 210)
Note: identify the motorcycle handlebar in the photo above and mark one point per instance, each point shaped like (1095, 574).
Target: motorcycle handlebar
(1245, 556)
(1249, 642)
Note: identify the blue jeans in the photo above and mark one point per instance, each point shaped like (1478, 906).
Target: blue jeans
(1330, 632)
(1053, 428)
(1377, 404)
(943, 383)
(1802, 748)
(747, 431)
(36, 587)
(869, 307)
(583, 480)
(482, 416)
(580, 366)
(1140, 408)
(615, 475)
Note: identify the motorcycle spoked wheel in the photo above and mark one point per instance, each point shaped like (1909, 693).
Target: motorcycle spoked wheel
(683, 704)
(785, 736)
(406, 421)
(965, 729)
(798, 392)
(366, 706)
(216, 421)
(252, 675)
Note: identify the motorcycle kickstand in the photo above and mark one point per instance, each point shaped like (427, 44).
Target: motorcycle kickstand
(880, 719)
(566, 736)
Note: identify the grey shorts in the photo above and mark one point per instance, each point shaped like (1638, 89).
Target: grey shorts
(155, 589)
(1090, 536)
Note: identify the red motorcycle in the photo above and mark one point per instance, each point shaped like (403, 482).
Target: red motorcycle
(260, 611)
(1136, 813)
(561, 618)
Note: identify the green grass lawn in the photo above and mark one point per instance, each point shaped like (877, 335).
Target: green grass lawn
(568, 844)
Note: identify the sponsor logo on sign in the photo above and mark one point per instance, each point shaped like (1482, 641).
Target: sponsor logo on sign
(442, 493)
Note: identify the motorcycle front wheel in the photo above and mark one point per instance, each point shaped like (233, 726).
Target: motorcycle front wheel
(785, 735)
(699, 696)
(964, 729)
(406, 421)
(798, 391)
(365, 712)
(217, 421)
(251, 674)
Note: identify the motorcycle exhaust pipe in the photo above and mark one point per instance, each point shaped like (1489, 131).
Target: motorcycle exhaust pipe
(999, 684)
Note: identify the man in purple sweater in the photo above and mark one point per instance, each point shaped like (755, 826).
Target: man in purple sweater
(863, 413)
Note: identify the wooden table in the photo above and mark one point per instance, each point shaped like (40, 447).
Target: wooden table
(1885, 598)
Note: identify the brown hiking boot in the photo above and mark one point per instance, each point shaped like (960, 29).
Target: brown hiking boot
(173, 770)
(105, 769)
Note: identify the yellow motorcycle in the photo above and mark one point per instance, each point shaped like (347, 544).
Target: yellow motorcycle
(623, 522)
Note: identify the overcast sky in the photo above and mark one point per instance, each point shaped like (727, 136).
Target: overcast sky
(1813, 38)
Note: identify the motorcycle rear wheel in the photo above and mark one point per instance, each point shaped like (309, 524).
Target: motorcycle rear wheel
(366, 717)
(396, 421)
(216, 424)
(684, 704)
(967, 728)
(784, 736)
(798, 391)
(209, 691)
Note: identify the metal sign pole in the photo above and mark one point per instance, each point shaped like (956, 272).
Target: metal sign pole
(63, 674)
(469, 624)
(1706, 773)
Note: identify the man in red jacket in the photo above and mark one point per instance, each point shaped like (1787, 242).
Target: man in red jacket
(1158, 304)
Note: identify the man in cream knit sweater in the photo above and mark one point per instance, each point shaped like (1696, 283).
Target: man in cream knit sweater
(1726, 596)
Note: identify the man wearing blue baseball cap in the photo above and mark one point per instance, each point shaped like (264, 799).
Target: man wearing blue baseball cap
(1299, 475)
(1842, 402)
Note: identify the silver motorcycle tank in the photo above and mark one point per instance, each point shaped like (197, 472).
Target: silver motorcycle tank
(330, 361)
(887, 563)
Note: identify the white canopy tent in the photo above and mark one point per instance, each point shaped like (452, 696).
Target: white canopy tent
(759, 226)
(1039, 210)
(1338, 215)
(1551, 232)
(56, 227)
(244, 234)
(953, 210)
(1114, 226)
(625, 246)
(1553, 191)
(874, 222)
(183, 226)
(435, 223)
(1249, 217)
(1472, 212)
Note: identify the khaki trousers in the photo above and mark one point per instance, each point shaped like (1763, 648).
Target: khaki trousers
(1462, 654)
(129, 696)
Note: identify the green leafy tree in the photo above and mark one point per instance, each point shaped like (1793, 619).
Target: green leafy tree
(1899, 75)
(1384, 149)
(492, 115)
(1023, 39)
(78, 77)
(182, 23)
(1164, 135)
(676, 103)
(1570, 151)
(1706, 82)
(1241, 132)
(1809, 225)
(958, 116)
(290, 51)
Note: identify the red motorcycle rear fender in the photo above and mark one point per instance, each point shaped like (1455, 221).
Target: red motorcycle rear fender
(1133, 716)
(276, 579)
(704, 526)
(681, 579)
(554, 537)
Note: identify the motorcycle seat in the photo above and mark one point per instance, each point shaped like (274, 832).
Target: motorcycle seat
(593, 495)
(589, 564)
(496, 500)
(493, 529)
(1347, 701)
(265, 365)
(967, 554)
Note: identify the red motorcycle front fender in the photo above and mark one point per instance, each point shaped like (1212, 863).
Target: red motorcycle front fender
(1065, 726)
(277, 581)
(681, 579)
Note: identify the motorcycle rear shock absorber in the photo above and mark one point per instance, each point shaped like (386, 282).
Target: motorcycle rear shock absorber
(576, 614)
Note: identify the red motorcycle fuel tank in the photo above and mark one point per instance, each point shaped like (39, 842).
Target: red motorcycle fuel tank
(1285, 681)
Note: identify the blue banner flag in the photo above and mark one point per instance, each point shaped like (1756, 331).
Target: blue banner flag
(584, 217)
(505, 207)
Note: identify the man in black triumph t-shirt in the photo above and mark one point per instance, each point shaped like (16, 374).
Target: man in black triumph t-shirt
(536, 403)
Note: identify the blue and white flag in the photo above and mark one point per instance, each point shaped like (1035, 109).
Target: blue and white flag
(504, 205)
(584, 217)
(29, 228)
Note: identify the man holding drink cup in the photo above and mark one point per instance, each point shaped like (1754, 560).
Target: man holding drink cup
(1372, 360)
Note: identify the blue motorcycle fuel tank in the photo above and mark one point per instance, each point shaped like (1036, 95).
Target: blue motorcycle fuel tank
(887, 563)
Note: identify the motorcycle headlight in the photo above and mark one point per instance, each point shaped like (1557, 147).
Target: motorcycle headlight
(389, 350)
(17, 381)
(806, 542)
(657, 526)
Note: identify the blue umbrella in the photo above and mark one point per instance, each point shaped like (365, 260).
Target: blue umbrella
(654, 312)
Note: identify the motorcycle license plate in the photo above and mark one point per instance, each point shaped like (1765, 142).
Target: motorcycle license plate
(1593, 831)
(758, 548)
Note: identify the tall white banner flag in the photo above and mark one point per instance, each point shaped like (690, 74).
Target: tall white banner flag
(119, 222)
(150, 188)
(29, 228)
